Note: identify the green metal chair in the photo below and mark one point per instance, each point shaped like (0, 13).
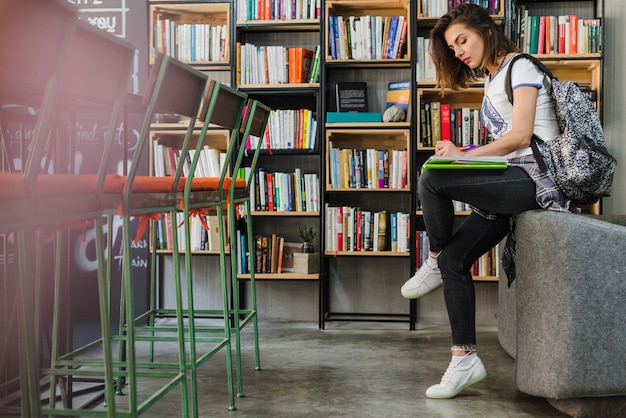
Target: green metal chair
(223, 107)
(257, 115)
(35, 36)
(177, 88)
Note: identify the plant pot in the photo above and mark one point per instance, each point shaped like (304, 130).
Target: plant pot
(308, 247)
(306, 263)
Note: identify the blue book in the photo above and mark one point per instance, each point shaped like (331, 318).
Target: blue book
(332, 36)
(393, 27)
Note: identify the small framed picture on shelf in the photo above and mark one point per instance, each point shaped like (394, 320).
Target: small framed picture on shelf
(288, 249)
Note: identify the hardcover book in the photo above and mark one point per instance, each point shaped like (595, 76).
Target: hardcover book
(351, 96)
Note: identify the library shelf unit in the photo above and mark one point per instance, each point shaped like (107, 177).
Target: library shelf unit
(195, 32)
(348, 264)
(291, 147)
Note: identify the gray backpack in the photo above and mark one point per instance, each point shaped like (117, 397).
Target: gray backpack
(577, 159)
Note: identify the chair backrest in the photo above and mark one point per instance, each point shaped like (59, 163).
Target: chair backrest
(35, 40)
(222, 106)
(173, 87)
(255, 121)
(98, 73)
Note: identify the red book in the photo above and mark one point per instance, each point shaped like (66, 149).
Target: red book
(445, 121)
(270, 192)
(573, 34)
(561, 35)
(339, 225)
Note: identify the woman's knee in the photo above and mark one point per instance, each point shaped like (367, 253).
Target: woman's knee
(451, 265)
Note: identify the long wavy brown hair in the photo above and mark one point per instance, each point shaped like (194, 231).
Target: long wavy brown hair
(452, 72)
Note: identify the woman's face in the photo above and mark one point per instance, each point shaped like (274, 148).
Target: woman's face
(466, 44)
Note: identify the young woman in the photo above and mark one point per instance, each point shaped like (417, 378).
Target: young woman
(467, 46)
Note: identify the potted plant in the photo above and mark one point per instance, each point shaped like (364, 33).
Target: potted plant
(307, 235)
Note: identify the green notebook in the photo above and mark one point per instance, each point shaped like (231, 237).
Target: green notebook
(465, 163)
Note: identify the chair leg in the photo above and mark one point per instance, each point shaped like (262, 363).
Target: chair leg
(29, 352)
(181, 328)
(235, 299)
(253, 300)
(194, 338)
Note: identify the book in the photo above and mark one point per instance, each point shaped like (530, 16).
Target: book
(435, 121)
(351, 96)
(337, 117)
(445, 111)
(398, 93)
(459, 163)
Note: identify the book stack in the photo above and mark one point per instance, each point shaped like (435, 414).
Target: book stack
(367, 37)
(354, 229)
(556, 34)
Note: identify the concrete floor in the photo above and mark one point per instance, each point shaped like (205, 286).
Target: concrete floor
(355, 370)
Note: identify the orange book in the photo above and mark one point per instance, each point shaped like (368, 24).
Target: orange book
(573, 34)
(291, 64)
(302, 59)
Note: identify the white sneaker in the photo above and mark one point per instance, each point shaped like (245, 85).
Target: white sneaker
(460, 375)
(425, 280)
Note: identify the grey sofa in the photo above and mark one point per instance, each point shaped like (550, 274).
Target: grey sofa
(564, 318)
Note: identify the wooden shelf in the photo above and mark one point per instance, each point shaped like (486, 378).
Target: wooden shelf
(279, 276)
(367, 253)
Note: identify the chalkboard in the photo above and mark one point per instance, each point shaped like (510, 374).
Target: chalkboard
(127, 19)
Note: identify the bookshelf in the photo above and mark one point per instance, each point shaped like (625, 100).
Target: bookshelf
(371, 42)
(275, 52)
(197, 33)
(165, 144)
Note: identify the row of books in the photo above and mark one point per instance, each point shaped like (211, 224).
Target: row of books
(191, 42)
(486, 265)
(563, 34)
(203, 229)
(166, 159)
(275, 64)
(436, 8)
(278, 9)
(285, 192)
(461, 125)
(367, 168)
(288, 129)
(367, 37)
(354, 229)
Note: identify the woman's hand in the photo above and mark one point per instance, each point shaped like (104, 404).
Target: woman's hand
(447, 149)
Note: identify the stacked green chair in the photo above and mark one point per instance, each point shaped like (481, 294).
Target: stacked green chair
(173, 87)
(35, 37)
(257, 115)
(223, 107)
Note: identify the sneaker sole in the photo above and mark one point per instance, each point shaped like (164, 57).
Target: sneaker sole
(408, 295)
(469, 383)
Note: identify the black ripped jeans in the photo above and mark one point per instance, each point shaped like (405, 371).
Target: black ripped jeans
(500, 192)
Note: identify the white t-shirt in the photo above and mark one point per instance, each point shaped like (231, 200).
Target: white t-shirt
(497, 112)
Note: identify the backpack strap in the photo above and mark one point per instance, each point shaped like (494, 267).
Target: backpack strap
(509, 92)
(507, 81)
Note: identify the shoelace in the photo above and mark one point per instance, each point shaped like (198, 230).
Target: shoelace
(448, 374)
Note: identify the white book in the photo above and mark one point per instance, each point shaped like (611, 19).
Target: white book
(430, 72)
